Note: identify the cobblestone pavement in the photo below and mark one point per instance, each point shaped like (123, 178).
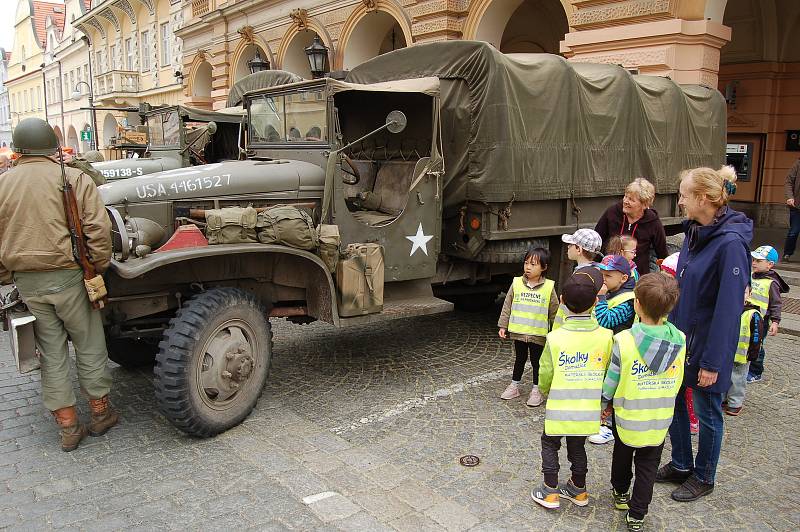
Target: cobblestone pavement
(362, 430)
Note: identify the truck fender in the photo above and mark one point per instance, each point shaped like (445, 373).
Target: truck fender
(325, 295)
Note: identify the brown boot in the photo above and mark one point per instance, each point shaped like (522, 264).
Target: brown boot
(103, 416)
(72, 430)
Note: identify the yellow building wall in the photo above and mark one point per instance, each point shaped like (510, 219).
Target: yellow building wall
(24, 75)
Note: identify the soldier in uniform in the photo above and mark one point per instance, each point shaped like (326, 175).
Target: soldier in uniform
(36, 254)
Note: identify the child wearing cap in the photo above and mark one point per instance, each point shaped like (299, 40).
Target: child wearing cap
(751, 335)
(766, 288)
(614, 311)
(571, 373)
(583, 247)
(615, 306)
(643, 379)
(529, 309)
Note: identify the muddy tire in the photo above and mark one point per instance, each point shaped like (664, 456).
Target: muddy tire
(213, 361)
(131, 353)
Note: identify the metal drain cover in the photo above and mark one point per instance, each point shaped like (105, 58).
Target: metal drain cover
(469, 460)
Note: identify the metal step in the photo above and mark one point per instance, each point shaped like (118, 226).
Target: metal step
(396, 309)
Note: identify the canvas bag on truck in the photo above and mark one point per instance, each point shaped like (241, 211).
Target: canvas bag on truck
(288, 226)
(329, 241)
(231, 225)
(359, 280)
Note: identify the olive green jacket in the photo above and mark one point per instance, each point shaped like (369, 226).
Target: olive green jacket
(33, 227)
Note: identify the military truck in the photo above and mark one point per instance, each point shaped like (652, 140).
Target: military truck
(179, 136)
(436, 183)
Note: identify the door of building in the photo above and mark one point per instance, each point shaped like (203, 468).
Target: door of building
(744, 152)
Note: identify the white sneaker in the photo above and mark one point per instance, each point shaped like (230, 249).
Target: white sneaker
(511, 392)
(604, 436)
(535, 399)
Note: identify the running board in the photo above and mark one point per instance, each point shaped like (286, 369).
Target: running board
(403, 300)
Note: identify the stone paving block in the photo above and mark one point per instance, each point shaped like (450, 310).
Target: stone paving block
(416, 495)
(330, 506)
(415, 523)
(452, 516)
(360, 522)
(384, 506)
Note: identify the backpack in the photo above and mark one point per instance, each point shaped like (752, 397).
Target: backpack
(231, 225)
(288, 226)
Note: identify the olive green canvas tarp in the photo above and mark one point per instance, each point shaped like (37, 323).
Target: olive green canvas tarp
(535, 126)
(259, 80)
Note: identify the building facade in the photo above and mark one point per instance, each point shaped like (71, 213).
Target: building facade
(747, 48)
(135, 58)
(66, 71)
(25, 83)
(5, 104)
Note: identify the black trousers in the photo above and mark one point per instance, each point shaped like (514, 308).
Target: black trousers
(576, 454)
(646, 460)
(524, 350)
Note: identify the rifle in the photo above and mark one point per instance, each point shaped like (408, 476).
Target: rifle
(95, 286)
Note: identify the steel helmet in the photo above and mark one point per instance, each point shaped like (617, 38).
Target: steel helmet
(34, 136)
(94, 156)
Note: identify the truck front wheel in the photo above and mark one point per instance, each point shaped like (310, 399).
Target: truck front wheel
(213, 361)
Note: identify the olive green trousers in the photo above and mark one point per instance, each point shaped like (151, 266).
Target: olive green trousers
(62, 309)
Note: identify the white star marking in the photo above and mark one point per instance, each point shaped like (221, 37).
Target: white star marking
(419, 241)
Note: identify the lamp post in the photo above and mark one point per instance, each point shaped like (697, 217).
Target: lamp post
(77, 96)
(317, 58)
(257, 64)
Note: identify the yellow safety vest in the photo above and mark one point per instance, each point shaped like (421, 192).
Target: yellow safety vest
(529, 308)
(644, 402)
(759, 294)
(580, 359)
(619, 299)
(744, 337)
(562, 314)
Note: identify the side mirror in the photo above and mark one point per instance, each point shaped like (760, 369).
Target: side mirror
(211, 127)
(396, 121)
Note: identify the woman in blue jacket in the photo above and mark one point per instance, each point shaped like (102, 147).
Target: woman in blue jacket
(713, 271)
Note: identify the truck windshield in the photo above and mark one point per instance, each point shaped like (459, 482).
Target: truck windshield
(297, 117)
(164, 129)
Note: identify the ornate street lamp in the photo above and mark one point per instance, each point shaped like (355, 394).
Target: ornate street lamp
(257, 64)
(317, 58)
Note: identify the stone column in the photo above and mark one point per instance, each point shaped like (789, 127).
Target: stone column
(659, 37)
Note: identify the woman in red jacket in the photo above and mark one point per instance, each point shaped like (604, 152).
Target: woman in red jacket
(635, 216)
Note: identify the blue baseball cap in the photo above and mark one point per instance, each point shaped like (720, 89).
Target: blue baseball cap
(615, 263)
(767, 253)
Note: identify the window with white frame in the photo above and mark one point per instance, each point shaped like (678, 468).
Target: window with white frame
(165, 49)
(112, 57)
(98, 61)
(77, 77)
(129, 53)
(38, 97)
(144, 62)
(71, 84)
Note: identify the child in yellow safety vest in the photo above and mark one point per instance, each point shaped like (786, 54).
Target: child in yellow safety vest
(528, 312)
(643, 380)
(767, 286)
(571, 373)
(583, 247)
(751, 335)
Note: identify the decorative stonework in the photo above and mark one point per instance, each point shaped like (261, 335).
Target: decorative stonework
(422, 10)
(300, 18)
(619, 11)
(149, 5)
(176, 46)
(438, 25)
(371, 5)
(710, 59)
(110, 16)
(628, 58)
(93, 22)
(247, 33)
(125, 6)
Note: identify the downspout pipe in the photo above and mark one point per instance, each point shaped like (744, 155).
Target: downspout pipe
(61, 93)
(44, 90)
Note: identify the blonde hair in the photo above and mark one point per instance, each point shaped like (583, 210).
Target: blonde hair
(616, 244)
(643, 189)
(711, 183)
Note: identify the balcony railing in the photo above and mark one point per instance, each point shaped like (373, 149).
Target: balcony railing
(116, 81)
(201, 7)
